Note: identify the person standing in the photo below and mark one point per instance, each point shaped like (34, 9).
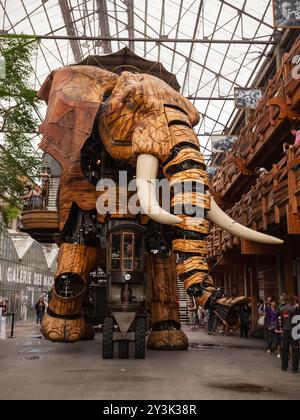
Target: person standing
(287, 313)
(272, 318)
(283, 299)
(212, 322)
(245, 318)
(201, 316)
(261, 309)
(192, 314)
(40, 308)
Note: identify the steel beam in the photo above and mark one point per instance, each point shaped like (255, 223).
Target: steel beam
(209, 98)
(70, 30)
(237, 9)
(149, 40)
(104, 24)
(130, 13)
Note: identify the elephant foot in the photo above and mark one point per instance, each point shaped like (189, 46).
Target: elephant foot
(60, 330)
(168, 340)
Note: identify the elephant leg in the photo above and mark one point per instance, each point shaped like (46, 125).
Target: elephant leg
(165, 319)
(66, 319)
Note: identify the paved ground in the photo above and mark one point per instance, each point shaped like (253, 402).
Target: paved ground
(214, 368)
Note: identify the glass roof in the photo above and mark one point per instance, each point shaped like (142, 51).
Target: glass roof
(209, 72)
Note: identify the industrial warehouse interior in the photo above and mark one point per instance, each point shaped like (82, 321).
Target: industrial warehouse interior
(149, 202)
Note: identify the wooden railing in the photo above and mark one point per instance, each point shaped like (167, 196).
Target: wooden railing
(268, 127)
(271, 206)
(40, 215)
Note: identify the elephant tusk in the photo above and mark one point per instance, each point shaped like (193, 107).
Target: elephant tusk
(146, 176)
(220, 218)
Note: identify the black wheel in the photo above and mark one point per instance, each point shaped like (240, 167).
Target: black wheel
(108, 343)
(123, 349)
(140, 338)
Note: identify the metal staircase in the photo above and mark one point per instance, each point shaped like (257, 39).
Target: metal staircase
(53, 192)
(183, 304)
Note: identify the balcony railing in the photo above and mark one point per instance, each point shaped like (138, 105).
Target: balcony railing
(40, 212)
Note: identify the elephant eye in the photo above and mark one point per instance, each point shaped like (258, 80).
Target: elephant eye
(107, 95)
(131, 105)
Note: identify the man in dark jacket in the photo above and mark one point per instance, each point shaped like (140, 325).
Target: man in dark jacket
(287, 314)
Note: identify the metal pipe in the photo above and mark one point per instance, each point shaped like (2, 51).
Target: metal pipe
(149, 40)
(209, 98)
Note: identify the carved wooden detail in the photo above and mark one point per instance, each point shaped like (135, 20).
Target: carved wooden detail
(267, 129)
(272, 205)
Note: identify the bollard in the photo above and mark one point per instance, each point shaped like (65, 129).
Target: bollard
(12, 315)
(2, 328)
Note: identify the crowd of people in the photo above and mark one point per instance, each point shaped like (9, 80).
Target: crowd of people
(275, 320)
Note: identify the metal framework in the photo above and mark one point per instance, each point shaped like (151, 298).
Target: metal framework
(212, 47)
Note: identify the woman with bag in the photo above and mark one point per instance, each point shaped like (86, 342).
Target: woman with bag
(262, 313)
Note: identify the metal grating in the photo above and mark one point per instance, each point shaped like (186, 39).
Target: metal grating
(207, 72)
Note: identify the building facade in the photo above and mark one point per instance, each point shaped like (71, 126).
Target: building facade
(258, 184)
(26, 273)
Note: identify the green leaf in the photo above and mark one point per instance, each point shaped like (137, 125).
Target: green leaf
(19, 162)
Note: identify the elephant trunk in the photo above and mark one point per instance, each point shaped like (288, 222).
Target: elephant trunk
(189, 181)
(186, 171)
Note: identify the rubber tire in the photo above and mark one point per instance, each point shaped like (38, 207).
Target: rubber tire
(140, 338)
(108, 343)
(123, 349)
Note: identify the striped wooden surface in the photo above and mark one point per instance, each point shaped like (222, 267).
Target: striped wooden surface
(40, 219)
(77, 259)
(163, 290)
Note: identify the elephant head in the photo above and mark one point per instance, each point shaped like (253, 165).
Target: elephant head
(146, 120)
(143, 121)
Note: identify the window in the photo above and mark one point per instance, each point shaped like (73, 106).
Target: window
(116, 252)
(128, 242)
(127, 251)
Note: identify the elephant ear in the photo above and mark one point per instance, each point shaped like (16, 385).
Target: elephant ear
(74, 96)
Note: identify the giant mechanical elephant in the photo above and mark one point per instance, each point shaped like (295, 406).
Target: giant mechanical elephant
(97, 124)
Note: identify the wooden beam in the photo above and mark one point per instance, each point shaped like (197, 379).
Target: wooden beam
(293, 221)
(288, 272)
(252, 248)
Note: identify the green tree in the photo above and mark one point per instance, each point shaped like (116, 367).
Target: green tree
(9, 213)
(19, 162)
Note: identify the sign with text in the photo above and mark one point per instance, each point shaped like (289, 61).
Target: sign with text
(13, 273)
